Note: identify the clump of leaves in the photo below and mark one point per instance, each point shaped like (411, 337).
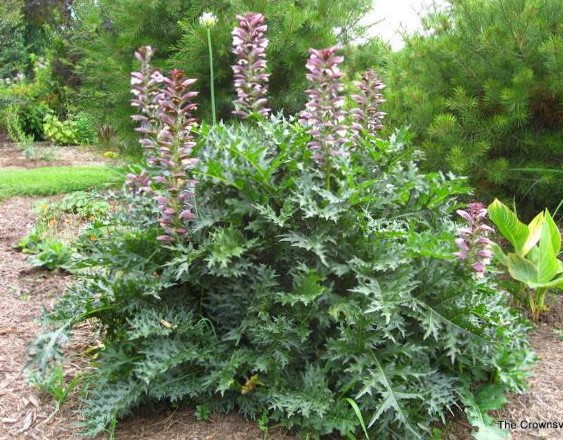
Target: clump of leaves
(533, 260)
(49, 242)
(52, 254)
(317, 294)
(60, 132)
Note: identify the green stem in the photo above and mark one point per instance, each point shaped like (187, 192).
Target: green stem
(211, 76)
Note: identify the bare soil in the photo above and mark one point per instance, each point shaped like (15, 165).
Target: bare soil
(27, 414)
(12, 156)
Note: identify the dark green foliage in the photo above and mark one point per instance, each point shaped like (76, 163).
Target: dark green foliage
(483, 93)
(105, 35)
(108, 32)
(295, 291)
(373, 54)
(12, 52)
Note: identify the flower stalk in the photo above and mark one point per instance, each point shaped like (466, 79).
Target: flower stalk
(166, 121)
(208, 20)
(324, 114)
(474, 246)
(366, 115)
(250, 77)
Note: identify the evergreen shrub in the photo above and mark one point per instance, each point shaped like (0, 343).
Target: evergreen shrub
(482, 91)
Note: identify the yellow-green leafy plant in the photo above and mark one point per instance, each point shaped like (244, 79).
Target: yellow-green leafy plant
(60, 132)
(533, 260)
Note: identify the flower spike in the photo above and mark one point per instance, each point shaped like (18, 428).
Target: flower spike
(324, 113)
(250, 77)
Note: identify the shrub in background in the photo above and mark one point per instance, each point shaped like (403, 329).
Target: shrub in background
(12, 53)
(296, 283)
(483, 94)
(59, 132)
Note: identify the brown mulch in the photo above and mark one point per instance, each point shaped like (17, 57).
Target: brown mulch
(13, 157)
(543, 402)
(25, 413)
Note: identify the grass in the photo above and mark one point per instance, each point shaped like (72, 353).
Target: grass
(54, 180)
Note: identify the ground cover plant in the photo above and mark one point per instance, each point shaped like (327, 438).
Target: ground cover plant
(54, 180)
(300, 271)
(51, 242)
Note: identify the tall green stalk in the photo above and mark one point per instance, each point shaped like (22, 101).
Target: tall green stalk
(211, 76)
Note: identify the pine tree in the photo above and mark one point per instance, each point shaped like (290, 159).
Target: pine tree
(482, 89)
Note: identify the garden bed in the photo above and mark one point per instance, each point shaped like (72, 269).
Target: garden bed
(11, 156)
(25, 413)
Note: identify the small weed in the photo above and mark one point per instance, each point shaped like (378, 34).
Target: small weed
(54, 385)
(202, 413)
(263, 424)
(559, 333)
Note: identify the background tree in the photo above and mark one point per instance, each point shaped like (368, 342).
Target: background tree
(482, 89)
(107, 32)
(12, 50)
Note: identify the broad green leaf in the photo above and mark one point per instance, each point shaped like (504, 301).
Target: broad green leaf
(547, 265)
(491, 397)
(534, 233)
(508, 224)
(521, 269)
(553, 284)
(554, 231)
(499, 254)
(533, 255)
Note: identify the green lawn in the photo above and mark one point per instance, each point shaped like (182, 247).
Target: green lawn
(54, 180)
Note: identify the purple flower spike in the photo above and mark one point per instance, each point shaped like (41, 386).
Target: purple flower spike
(138, 183)
(324, 113)
(472, 242)
(166, 119)
(367, 115)
(251, 79)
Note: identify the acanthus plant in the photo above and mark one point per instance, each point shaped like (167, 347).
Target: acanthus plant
(288, 304)
(472, 240)
(250, 77)
(367, 116)
(167, 122)
(324, 114)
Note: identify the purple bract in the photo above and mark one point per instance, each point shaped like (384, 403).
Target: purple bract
(250, 77)
(324, 114)
(472, 240)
